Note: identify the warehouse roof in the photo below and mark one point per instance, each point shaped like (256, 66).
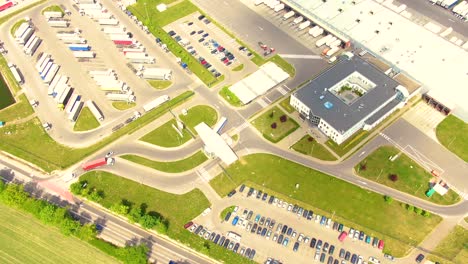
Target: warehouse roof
(214, 143)
(258, 83)
(339, 113)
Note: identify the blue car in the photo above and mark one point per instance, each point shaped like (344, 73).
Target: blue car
(323, 220)
(234, 221)
(257, 218)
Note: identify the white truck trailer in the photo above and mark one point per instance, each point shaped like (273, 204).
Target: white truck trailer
(21, 29)
(157, 74)
(58, 23)
(279, 8)
(53, 84)
(330, 41)
(121, 97)
(114, 30)
(114, 86)
(304, 25)
(108, 21)
(322, 41)
(317, 32)
(25, 36)
(108, 72)
(156, 102)
(29, 42)
(71, 103)
(298, 20)
(51, 73)
(63, 97)
(119, 36)
(41, 60)
(100, 78)
(95, 110)
(139, 57)
(46, 70)
(97, 14)
(62, 82)
(74, 40)
(332, 51)
(15, 73)
(288, 15)
(84, 54)
(53, 14)
(75, 112)
(335, 43)
(44, 65)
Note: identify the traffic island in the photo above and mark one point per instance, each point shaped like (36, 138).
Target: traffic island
(86, 121)
(307, 145)
(275, 125)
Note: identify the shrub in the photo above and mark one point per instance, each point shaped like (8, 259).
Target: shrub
(283, 118)
(409, 207)
(393, 177)
(418, 210)
(273, 125)
(310, 139)
(388, 199)
(272, 114)
(363, 166)
(426, 214)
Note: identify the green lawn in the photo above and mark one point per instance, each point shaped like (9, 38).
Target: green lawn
(352, 205)
(454, 247)
(30, 142)
(123, 105)
(452, 132)
(16, 26)
(159, 84)
(309, 146)
(238, 68)
(177, 209)
(264, 123)
(177, 166)
(146, 12)
(230, 97)
(227, 210)
(53, 8)
(198, 114)
(10, 80)
(286, 106)
(166, 136)
(19, 110)
(86, 121)
(412, 178)
(23, 239)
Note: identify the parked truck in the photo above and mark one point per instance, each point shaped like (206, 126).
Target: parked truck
(279, 8)
(16, 73)
(62, 82)
(140, 57)
(6, 5)
(100, 78)
(156, 102)
(53, 84)
(322, 40)
(297, 20)
(46, 69)
(114, 30)
(79, 47)
(95, 110)
(108, 21)
(75, 112)
(41, 60)
(53, 14)
(74, 99)
(157, 74)
(97, 163)
(51, 73)
(64, 96)
(25, 36)
(304, 25)
(84, 54)
(58, 23)
(44, 65)
(21, 29)
(123, 42)
(114, 86)
(74, 40)
(121, 97)
(288, 15)
(108, 72)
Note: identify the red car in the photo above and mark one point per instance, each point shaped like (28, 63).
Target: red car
(203, 62)
(220, 48)
(189, 224)
(226, 60)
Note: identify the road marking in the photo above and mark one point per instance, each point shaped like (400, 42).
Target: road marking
(239, 129)
(260, 28)
(262, 103)
(300, 56)
(281, 90)
(204, 175)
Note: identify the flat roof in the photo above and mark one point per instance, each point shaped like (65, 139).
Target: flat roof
(428, 58)
(332, 109)
(216, 144)
(266, 77)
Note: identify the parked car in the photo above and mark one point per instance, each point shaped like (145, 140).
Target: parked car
(419, 258)
(284, 230)
(252, 254)
(280, 239)
(313, 242)
(221, 241)
(228, 215)
(272, 223)
(250, 192)
(305, 213)
(347, 255)
(342, 253)
(188, 225)
(390, 257)
(325, 247)
(254, 228)
(247, 252)
(216, 239)
(331, 250)
(249, 215)
(235, 220)
(226, 242)
(201, 40)
(285, 242)
(267, 222)
(262, 220)
(361, 236)
(201, 17)
(257, 218)
(340, 228)
(310, 215)
(193, 33)
(205, 35)
(241, 189)
(272, 198)
(330, 260)
(259, 194)
(231, 193)
(354, 259)
(322, 257)
(368, 239)
(296, 246)
(236, 247)
(279, 227)
(264, 231)
(289, 232)
(259, 230)
(319, 244)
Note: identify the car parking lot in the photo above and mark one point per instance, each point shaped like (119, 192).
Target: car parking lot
(288, 232)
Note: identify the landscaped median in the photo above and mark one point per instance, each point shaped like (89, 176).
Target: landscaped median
(452, 132)
(30, 142)
(168, 137)
(230, 97)
(402, 174)
(86, 121)
(327, 195)
(275, 125)
(309, 146)
(177, 166)
(128, 197)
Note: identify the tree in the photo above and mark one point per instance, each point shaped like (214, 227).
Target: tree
(135, 214)
(271, 114)
(120, 208)
(14, 194)
(148, 221)
(426, 213)
(273, 125)
(2, 186)
(418, 210)
(76, 188)
(409, 207)
(310, 139)
(393, 177)
(69, 226)
(96, 196)
(34, 206)
(47, 214)
(388, 199)
(363, 166)
(134, 254)
(87, 232)
(283, 118)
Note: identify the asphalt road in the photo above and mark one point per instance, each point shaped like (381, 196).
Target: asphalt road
(115, 229)
(438, 14)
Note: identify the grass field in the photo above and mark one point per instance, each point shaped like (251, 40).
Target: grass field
(238, 68)
(230, 97)
(453, 134)
(86, 121)
(312, 148)
(160, 84)
(19, 110)
(123, 105)
(286, 106)
(170, 166)
(29, 141)
(412, 178)
(454, 247)
(198, 114)
(166, 136)
(352, 205)
(53, 8)
(264, 123)
(23, 239)
(8, 77)
(177, 209)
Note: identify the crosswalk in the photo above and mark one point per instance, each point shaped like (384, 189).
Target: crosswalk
(204, 174)
(282, 90)
(262, 102)
(239, 129)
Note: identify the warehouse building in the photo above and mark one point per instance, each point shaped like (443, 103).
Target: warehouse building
(348, 97)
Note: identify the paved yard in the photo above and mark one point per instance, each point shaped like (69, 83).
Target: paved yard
(425, 118)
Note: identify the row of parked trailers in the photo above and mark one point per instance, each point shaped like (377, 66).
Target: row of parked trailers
(76, 44)
(116, 90)
(459, 9)
(26, 37)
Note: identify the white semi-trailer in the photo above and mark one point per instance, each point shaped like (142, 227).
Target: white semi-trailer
(51, 74)
(318, 32)
(107, 72)
(322, 41)
(54, 14)
(114, 30)
(108, 21)
(95, 110)
(84, 54)
(139, 57)
(120, 97)
(53, 84)
(71, 103)
(297, 20)
(104, 78)
(41, 60)
(15, 73)
(304, 25)
(63, 97)
(58, 23)
(46, 63)
(157, 73)
(279, 8)
(330, 41)
(288, 15)
(28, 44)
(46, 69)
(25, 36)
(21, 29)
(75, 111)
(156, 102)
